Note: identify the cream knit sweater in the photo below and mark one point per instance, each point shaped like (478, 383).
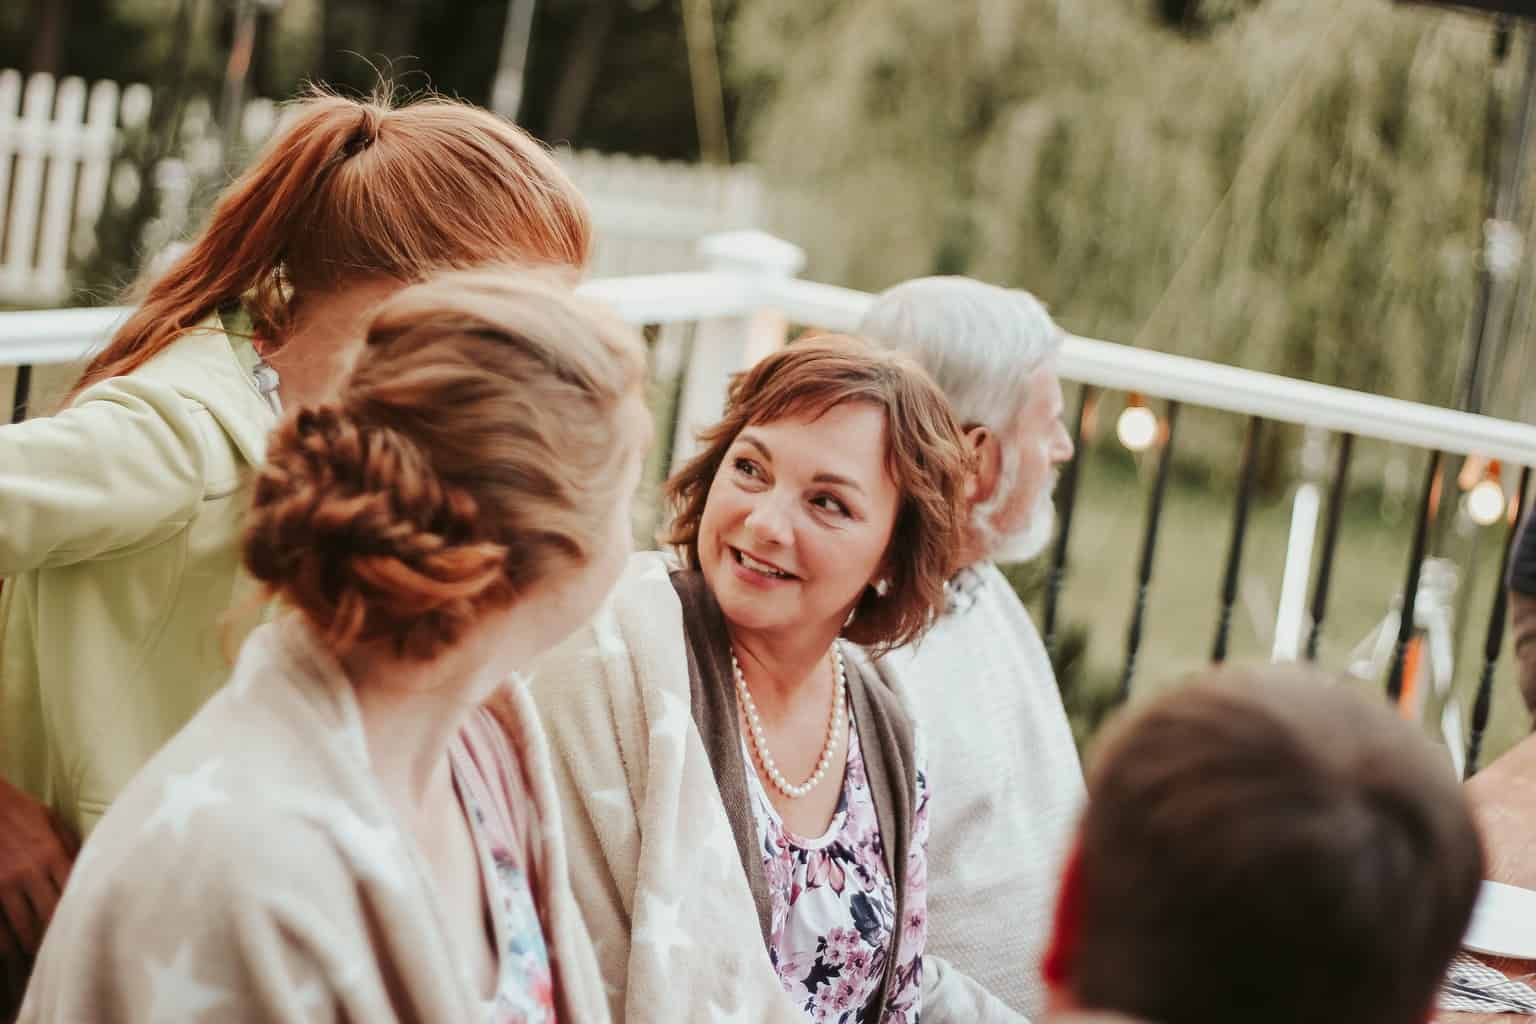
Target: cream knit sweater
(1007, 787)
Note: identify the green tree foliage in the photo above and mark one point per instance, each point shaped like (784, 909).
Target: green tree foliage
(1298, 188)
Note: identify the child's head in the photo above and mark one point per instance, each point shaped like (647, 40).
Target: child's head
(1261, 847)
(486, 442)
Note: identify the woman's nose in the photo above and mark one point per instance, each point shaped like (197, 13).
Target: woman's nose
(767, 520)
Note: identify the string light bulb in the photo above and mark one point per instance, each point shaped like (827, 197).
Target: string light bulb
(1485, 501)
(1137, 426)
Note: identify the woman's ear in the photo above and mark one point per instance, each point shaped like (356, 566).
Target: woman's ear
(986, 464)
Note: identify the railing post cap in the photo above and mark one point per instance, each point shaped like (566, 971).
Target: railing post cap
(751, 250)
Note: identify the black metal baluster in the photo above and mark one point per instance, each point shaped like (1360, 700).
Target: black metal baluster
(1411, 589)
(1239, 534)
(22, 393)
(1148, 549)
(1336, 496)
(1067, 493)
(1483, 706)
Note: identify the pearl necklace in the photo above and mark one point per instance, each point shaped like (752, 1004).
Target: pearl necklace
(760, 742)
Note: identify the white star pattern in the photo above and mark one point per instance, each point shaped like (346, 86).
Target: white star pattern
(185, 795)
(176, 997)
(737, 1016)
(373, 850)
(672, 722)
(661, 930)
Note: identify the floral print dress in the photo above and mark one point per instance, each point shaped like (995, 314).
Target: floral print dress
(525, 992)
(833, 904)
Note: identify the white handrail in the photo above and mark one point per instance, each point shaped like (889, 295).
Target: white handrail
(1218, 386)
(44, 336)
(66, 335)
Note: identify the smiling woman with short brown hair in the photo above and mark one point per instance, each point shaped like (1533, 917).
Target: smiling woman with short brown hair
(727, 705)
(805, 382)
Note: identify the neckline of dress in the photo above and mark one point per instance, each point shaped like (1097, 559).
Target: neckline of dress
(839, 817)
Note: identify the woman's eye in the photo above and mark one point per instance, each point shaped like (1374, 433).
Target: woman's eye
(827, 503)
(746, 467)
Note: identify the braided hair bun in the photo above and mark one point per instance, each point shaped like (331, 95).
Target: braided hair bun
(473, 448)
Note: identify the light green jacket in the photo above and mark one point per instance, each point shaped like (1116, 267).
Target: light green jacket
(119, 546)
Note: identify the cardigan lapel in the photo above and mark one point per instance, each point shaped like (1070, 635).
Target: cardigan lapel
(885, 736)
(714, 712)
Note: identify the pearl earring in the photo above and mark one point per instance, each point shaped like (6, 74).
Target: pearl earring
(882, 587)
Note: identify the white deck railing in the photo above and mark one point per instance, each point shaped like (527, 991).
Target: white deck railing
(752, 275)
(715, 322)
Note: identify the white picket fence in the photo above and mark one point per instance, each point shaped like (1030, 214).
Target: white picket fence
(56, 149)
(59, 140)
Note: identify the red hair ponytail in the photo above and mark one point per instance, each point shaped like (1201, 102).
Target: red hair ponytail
(353, 190)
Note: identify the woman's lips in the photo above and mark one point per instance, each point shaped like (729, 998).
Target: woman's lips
(746, 568)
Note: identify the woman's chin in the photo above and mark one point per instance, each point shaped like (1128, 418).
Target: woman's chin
(750, 611)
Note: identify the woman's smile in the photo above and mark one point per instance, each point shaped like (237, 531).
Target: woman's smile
(759, 571)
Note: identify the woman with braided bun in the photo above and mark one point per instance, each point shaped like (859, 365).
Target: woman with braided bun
(345, 831)
(120, 514)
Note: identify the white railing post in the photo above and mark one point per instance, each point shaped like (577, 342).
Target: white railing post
(724, 345)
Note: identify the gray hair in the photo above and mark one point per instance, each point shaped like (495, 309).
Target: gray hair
(979, 342)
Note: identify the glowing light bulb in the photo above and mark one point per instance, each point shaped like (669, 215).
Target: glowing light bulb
(1137, 427)
(1485, 502)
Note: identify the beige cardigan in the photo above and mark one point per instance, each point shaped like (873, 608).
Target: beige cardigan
(253, 871)
(654, 859)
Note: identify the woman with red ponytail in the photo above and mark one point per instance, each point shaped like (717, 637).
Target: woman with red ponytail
(120, 515)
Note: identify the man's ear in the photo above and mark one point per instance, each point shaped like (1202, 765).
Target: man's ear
(986, 464)
(1061, 952)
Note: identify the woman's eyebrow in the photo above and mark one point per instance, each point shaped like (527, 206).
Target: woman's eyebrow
(746, 438)
(823, 477)
(841, 481)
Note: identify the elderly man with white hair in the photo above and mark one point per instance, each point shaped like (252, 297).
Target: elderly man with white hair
(1004, 771)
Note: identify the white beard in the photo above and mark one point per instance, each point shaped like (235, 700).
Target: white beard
(1025, 544)
(1021, 545)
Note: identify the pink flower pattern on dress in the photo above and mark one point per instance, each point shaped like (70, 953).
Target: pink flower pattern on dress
(525, 988)
(833, 905)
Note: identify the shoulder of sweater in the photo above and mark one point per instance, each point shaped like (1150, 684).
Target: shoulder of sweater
(199, 848)
(204, 369)
(635, 639)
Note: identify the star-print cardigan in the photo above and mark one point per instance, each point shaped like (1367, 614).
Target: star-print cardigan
(662, 847)
(252, 872)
